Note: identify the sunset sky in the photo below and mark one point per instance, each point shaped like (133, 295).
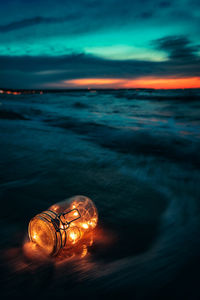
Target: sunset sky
(99, 44)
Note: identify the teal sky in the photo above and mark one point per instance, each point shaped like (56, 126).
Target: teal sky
(104, 31)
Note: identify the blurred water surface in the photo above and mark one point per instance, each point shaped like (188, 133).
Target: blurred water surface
(136, 154)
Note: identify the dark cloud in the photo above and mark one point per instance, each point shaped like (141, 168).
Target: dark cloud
(34, 21)
(37, 71)
(35, 27)
(178, 48)
(75, 65)
(85, 16)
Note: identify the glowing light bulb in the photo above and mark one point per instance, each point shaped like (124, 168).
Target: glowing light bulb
(85, 225)
(34, 236)
(63, 224)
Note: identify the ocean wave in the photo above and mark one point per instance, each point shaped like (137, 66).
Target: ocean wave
(171, 147)
(11, 115)
(141, 166)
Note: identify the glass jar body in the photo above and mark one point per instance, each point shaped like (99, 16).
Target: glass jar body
(63, 224)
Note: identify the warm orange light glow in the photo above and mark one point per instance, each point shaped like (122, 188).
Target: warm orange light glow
(34, 236)
(33, 252)
(79, 249)
(85, 226)
(94, 81)
(73, 234)
(63, 224)
(10, 92)
(164, 83)
(142, 82)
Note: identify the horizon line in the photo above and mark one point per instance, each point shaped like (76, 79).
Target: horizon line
(90, 89)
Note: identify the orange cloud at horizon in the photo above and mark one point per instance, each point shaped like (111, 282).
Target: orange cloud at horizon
(143, 82)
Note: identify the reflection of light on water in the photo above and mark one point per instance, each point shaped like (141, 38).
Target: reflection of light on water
(13, 257)
(80, 260)
(33, 252)
(27, 268)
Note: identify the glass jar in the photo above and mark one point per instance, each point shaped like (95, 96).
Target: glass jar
(63, 224)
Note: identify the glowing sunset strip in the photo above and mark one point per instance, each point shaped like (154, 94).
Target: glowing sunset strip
(164, 83)
(93, 81)
(144, 82)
